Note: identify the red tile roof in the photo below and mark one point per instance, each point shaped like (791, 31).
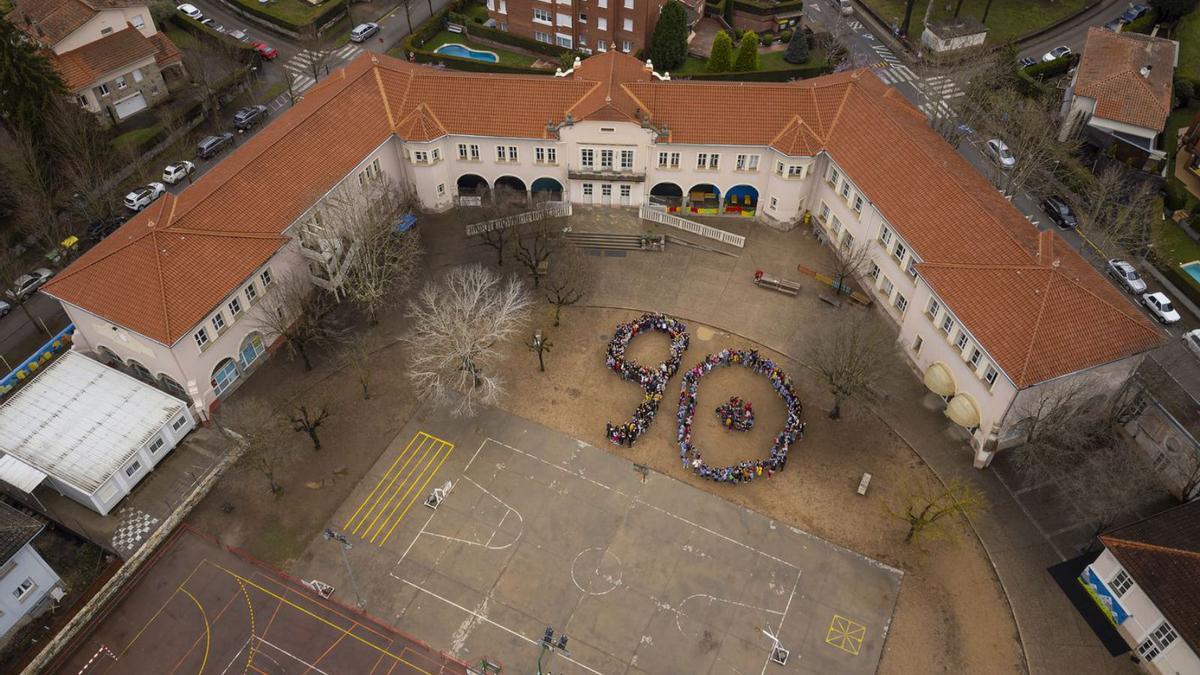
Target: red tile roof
(84, 66)
(48, 21)
(1110, 71)
(1034, 304)
(1162, 554)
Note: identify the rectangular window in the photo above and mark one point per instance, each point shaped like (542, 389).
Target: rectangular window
(912, 267)
(834, 176)
(156, 445)
(626, 190)
(103, 89)
(989, 376)
(179, 422)
(435, 154)
(702, 160)
(779, 168)
(201, 337)
(626, 45)
(674, 160)
(873, 272)
(846, 190)
(899, 252)
(947, 325)
(976, 355)
(512, 153)
(858, 203)
(961, 342)
(774, 203)
(606, 189)
(539, 155)
(474, 148)
(933, 308)
(266, 278)
(885, 235)
(627, 160)
(235, 307)
(251, 291)
(602, 24)
(540, 15)
(137, 21)
(1164, 635)
(562, 40)
(582, 19)
(917, 344)
(218, 322)
(106, 30)
(628, 4)
(662, 160)
(606, 160)
(587, 158)
(421, 157)
(587, 189)
(23, 588)
(740, 163)
(552, 155)
(1148, 650)
(500, 153)
(1121, 583)
(887, 286)
(602, 3)
(564, 19)
(137, 75)
(462, 150)
(441, 189)
(848, 240)
(627, 24)
(133, 468)
(901, 302)
(81, 100)
(823, 214)
(795, 171)
(836, 225)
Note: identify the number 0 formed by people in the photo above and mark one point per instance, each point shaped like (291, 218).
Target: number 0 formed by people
(654, 380)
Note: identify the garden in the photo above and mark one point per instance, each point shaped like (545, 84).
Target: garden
(295, 15)
(1006, 21)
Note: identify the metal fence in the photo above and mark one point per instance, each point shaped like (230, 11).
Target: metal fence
(722, 236)
(545, 210)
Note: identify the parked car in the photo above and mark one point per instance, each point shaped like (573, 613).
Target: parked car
(144, 196)
(239, 35)
(1190, 338)
(211, 145)
(208, 22)
(1115, 25)
(266, 51)
(363, 31)
(1060, 212)
(842, 6)
(1160, 306)
(5, 308)
(1128, 277)
(1056, 53)
(999, 151)
(27, 284)
(102, 228)
(177, 171)
(249, 116)
(190, 11)
(1134, 13)
(1026, 61)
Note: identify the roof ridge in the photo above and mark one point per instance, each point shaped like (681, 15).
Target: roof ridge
(641, 104)
(387, 106)
(1148, 546)
(162, 286)
(1037, 325)
(71, 269)
(794, 121)
(1135, 318)
(230, 234)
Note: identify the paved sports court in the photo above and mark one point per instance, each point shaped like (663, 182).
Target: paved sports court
(197, 608)
(645, 574)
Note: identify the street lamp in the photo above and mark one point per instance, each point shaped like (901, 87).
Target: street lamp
(340, 538)
(540, 344)
(548, 644)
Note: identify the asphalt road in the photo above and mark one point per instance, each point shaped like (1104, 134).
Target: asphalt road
(19, 337)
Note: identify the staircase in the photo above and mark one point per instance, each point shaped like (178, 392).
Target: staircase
(617, 242)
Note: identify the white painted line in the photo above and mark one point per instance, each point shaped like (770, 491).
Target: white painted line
(779, 631)
(279, 649)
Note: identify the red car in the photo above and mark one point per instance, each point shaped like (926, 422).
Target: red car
(265, 50)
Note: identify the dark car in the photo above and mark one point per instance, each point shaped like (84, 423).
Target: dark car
(249, 116)
(1134, 13)
(102, 228)
(1114, 25)
(1060, 212)
(1026, 62)
(211, 145)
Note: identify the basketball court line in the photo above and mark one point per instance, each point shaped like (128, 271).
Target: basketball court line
(207, 629)
(488, 544)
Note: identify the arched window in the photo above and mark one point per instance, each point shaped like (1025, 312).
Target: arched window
(169, 385)
(224, 375)
(140, 372)
(109, 357)
(252, 348)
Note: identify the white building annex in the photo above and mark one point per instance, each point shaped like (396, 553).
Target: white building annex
(88, 431)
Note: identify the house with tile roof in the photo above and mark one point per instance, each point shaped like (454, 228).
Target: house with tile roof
(1147, 581)
(111, 57)
(1120, 95)
(990, 311)
(27, 582)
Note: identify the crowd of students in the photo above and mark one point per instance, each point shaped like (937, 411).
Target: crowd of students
(736, 414)
(652, 380)
(748, 470)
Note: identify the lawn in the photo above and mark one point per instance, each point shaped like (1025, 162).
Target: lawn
(295, 12)
(766, 61)
(1006, 20)
(135, 137)
(1187, 32)
(507, 58)
(477, 12)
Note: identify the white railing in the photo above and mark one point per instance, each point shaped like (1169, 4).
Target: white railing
(722, 236)
(546, 210)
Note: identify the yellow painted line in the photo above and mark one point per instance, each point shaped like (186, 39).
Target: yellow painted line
(394, 493)
(379, 498)
(419, 493)
(383, 478)
(415, 477)
(163, 606)
(253, 633)
(325, 621)
(846, 634)
(207, 630)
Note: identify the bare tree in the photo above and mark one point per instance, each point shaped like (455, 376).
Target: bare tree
(534, 243)
(850, 258)
(457, 325)
(357, 358)
(927, 507)
(85, 159)
(847, 356)
(567, 283)
(35, 185)
(255, 425)
(502, 204)
(299, 313)
(209, 69)
(11, 268)
(308, 417)
(1186, 462)
(1029, 127)
(1118, 212)
(956, 88)
(540, 344)
(383, 262)
(318, 57)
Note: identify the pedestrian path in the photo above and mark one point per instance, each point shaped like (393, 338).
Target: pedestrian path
(300, 69)
(886, 55)
(939, 91)
(856, 26)
(896, 75)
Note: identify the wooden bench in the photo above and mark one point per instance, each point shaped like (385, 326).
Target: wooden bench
(829, 300)
(864, 484)
(455, 28)
(781, 285)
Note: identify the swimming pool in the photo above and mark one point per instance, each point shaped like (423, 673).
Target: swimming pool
(1192, 269)
(460, 50)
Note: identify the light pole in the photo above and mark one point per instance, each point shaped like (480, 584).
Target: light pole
(540, 344)
(548, 644)
(340, 538)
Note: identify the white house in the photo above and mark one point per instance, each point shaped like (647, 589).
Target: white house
(1121, 93)
(27, 583)
(90, 432)
(989, 310)
(954, 33)
(1147, 581)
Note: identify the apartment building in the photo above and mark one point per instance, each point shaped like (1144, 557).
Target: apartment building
(990, 312)
(111, 57)
(28, 585)
(586, 26)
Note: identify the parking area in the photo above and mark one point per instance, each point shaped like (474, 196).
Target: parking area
(197, 607)
(641, 572)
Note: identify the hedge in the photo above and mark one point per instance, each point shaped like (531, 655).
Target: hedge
(778, 75)
(318, 20)
(205, 33)
(767, 8)
(473, 65)
(415, 42)
(1143, 25)
(507, 38)
(1044, 69)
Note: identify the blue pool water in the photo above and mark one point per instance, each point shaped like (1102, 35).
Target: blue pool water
(1193, 270)
(455, 49)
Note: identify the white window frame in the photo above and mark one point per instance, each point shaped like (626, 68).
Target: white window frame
(796, 171)
(947, 326)
(663, 159)
(24, 588)
(1121, 583)
(626, 190)
(587, 189)
(627, 25)
(774, 203)
(251, 291)
(462, 151)
(266, 278)
(606, 159)
(885, 235)
(901, 302)
(858, 203)
(834, 176)
(587, 158)
(201, 338)
(873, 271)
(601, 24)
(961, 341)
(542, 16)
(627, 157)
(899, 252)
(218, 322)
(990, 375)
(235, 307)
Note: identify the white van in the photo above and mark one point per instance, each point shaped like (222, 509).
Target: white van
(843, 6)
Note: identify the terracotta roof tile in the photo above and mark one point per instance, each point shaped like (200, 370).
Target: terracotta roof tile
(1110, 72)
(1034, 304)
(49, 21)
(82, 67)
(1162, 554)
(165, 51)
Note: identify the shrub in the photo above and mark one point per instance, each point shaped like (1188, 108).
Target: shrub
(668, 47)
(1143, 25)
(1185, 91)
(797, 50)
(747, 55)
(1173, 9)
(785, 36)
(1041, 71)
(720, 59)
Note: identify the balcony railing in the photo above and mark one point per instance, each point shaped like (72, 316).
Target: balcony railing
(606, 174)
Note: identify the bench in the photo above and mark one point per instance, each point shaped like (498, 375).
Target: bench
(864, 484)
(455, 28)
(781, 285)
(829, 300)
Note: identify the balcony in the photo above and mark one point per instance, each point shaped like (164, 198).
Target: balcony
(606, 174)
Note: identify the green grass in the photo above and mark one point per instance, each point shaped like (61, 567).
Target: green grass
(766, 61)
(1187, 32)
(477, 12)
(506, 58)
(1006, 20)
(135, 137)
(1173, 244)
(293, 11)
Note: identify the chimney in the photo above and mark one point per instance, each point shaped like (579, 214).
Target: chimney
(1145, 71)
(649, 65)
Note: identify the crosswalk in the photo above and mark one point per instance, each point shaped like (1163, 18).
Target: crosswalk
(939, 91)
(301, 65)
(886, 55)
(856, 26)
(896, 74)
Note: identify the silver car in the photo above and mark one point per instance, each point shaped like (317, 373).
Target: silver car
(363, 31)
(1127, 276)
(27, 284)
